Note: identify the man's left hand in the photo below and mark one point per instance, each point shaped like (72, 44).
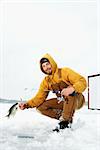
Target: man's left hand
(67, 91)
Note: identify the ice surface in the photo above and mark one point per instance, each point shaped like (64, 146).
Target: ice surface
(30, 123)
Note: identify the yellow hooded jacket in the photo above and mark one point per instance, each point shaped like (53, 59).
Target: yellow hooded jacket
(67, 75)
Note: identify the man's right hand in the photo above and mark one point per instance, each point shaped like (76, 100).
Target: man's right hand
(22, 106)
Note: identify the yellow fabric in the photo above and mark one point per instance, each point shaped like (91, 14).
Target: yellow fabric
(67, 75)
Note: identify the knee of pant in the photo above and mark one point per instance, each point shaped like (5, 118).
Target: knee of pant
(41, 108)
(80, 102)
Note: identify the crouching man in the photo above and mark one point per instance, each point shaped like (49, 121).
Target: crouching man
(68, 87)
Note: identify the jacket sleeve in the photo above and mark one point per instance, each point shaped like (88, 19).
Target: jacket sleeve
(78, 82)
(40, 96)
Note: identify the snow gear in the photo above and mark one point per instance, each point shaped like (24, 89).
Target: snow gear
(59, 79)
(63, 125)
(67, 75)
(51, 108)
(65, 108)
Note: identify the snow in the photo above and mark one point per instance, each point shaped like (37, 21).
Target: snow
(29, 122)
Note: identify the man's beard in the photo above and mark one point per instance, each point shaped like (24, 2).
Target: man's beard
(49, 73)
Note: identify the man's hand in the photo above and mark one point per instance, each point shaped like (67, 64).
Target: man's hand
(22, 106)
(67, 91)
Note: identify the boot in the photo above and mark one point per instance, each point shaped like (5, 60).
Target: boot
(63, 125)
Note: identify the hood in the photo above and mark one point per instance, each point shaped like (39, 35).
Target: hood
(52, 62)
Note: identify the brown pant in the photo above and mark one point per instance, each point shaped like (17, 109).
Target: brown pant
(65, 108)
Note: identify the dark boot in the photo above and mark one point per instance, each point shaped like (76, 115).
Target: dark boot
(63, 125)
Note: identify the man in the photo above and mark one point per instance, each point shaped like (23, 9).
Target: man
(68, 87)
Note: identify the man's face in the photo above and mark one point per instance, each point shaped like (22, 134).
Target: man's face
(47, 68)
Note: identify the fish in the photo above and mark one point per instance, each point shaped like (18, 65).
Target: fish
(12, 111)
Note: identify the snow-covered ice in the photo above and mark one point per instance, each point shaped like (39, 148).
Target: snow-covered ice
(30, 123)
